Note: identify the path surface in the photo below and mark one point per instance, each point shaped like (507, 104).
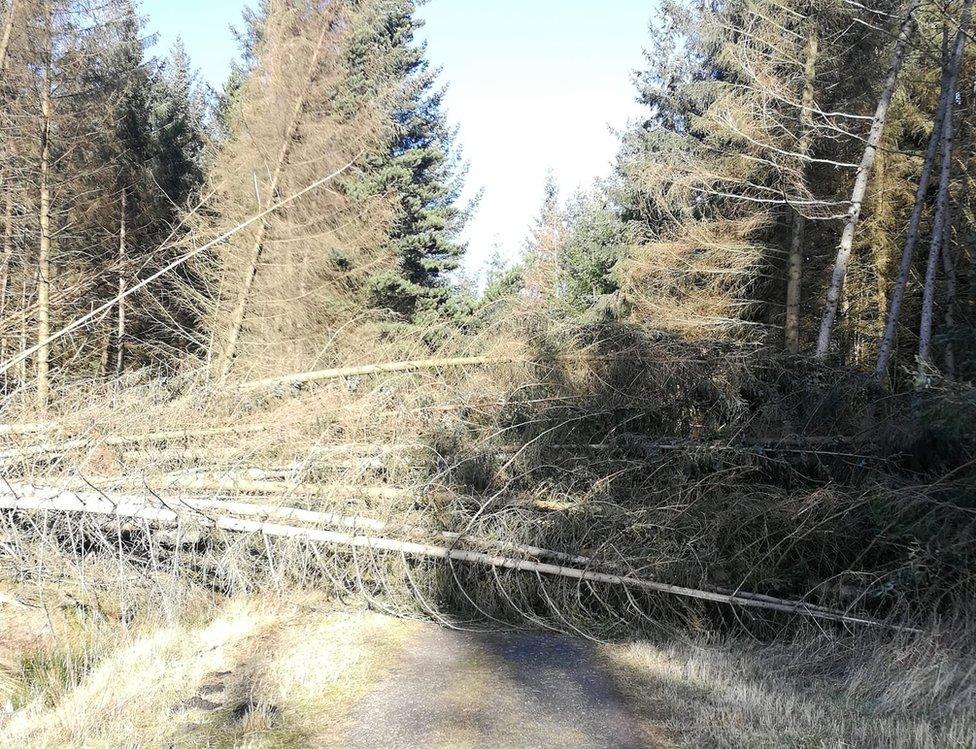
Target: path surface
(520, 690)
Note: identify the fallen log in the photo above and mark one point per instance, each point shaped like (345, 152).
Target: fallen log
(28, 499)
(18, 429)
(281, 488)
(371, 369)
(81, 443)
(358, 522)
(300, 456)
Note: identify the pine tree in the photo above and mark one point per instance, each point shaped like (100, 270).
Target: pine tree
(179, 112)
(278, 292)
(596, 240)
(419, 165)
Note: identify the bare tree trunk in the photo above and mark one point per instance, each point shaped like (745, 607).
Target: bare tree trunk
(794, 284)
(44, 254)
(120, 327)
(8, 248)
(22, 364)
(938, 237)
(237, 318)
(103, 356)
(861, 182)
(949, 269)
(8, 25)
(949, 77)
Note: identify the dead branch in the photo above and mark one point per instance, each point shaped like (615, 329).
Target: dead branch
(370, 369)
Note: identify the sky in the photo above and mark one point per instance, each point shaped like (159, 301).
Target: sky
(534, 85)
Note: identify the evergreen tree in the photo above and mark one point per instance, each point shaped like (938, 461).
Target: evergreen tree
(596, 240)
(179, 112)
(419, 166)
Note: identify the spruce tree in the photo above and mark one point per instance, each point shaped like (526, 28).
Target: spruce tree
(419, 166)
(179, 112)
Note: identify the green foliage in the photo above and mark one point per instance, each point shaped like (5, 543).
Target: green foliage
(420, 168)
(595, 243)
(178, 118)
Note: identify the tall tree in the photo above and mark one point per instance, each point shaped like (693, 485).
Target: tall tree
(419, 165)
(795, 271)
(281, 289)
(863, 177)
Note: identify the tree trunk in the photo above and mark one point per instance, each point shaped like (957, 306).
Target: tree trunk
(861, 182)
(938, 237)
(120, 328)
(949, 269)
(8, 248)
(22, 364)
(8, 25)
(237, 317)
(103, 355)
(44, 254)
(950, 75)
(793, 287)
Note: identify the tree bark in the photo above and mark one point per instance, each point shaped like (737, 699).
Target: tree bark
(237, 317)
(949, 269)
(22, 363)
(938, 237)
(8, 248)
(950, 75)
(861, 182)
(794, 283)
(44, 254)
(120, 326)
(8, 25)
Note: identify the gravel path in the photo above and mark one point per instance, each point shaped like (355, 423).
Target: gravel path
(455, 690)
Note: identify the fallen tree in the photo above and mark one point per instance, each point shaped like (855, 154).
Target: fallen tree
(371, 369)
(20, 498)
(81, 443)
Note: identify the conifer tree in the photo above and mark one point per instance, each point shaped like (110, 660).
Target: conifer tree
(280, 291)
(419, 164)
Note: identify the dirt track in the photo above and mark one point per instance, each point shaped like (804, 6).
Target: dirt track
(500, 690)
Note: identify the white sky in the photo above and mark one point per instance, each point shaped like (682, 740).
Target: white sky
(534, 85)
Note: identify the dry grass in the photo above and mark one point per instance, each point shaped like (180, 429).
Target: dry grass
(817, 691)
(259, 672)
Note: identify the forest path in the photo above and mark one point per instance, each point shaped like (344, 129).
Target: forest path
(503, 690)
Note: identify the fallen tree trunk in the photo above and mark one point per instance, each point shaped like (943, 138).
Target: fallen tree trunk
(357, 522)
(284, 488)
(18, 429)
(174, 435)
(370, 369)
(29, 499)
